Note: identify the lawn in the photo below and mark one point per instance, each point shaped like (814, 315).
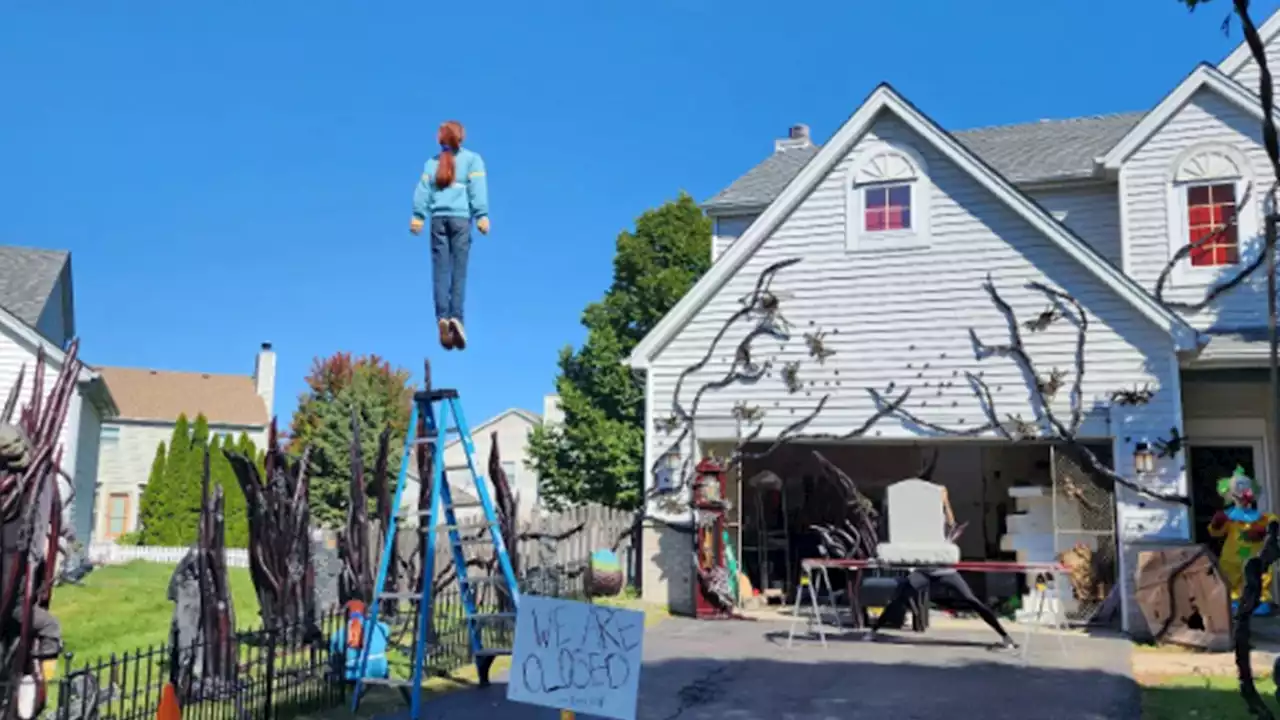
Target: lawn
(121, 608)
(1199, 696)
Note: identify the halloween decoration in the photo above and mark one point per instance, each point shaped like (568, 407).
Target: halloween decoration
(1183, 597)
(1254, 570)
(279, 537)
(1243, 529)
(712, 598)
(358, 557)
(1089, 581)
(604, 574)
(202, 632)
(31, 507)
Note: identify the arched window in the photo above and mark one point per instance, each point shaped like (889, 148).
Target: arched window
(1212, 206)
(887, 198)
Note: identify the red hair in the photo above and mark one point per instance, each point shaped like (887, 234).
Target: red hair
(450, 138)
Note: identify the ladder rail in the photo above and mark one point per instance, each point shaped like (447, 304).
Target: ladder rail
(486, 502)
(384, 562)
(460, 563)
(425, 605)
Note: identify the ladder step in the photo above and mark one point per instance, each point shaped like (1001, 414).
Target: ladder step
(399, 596)
(494, 616)
(388, 681)
(435, 395)
(493, 652)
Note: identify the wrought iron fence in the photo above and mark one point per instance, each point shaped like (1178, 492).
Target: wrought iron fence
(277, 674)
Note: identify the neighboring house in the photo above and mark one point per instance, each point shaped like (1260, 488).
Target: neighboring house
(512, 427)
(150, 402)
(897, 222)
(37, 312)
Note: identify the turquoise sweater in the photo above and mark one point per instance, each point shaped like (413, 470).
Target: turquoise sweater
(467, 197)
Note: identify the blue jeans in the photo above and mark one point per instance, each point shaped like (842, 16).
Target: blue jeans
(450, 246)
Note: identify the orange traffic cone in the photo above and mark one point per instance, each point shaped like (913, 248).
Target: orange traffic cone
(169, 709)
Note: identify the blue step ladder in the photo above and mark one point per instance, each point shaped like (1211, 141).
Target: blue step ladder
(436, 408)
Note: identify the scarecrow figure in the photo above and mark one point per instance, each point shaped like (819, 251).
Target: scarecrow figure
(1243, 528)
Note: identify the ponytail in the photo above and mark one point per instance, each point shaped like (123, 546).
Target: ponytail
(450, 138)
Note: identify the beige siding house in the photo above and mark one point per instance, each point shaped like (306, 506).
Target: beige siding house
(513, 427)
(150, 402)
(894, 224)
(37, 312)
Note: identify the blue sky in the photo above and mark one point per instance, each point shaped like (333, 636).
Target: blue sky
(237, 172)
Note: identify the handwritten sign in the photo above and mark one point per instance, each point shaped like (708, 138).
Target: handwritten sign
(575, 656)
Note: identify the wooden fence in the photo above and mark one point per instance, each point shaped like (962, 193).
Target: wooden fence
(549, 542)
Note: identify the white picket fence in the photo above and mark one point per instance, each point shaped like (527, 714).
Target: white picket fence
(107, 553)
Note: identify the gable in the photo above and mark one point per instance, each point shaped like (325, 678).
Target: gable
(929, 134)
(900, 319)
(1204, 79)
(1207, 124)
(1240, 65)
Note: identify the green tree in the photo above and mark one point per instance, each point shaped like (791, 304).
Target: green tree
(162, 498)
(169, 512)
(380, 395)
(596, 455)
(151, 505)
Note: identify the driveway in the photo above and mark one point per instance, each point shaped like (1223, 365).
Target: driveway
(744, 671)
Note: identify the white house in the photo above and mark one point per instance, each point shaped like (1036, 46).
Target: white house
(37, 311)
(512, 427)
(896, 222)
(150, 402)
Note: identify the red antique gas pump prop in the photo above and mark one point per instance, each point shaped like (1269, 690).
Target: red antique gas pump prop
(710, 588)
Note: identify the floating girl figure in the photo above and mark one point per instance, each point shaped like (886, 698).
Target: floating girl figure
(451, 193)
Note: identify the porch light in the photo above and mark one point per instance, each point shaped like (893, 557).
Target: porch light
(1144, 461)
(668, 468)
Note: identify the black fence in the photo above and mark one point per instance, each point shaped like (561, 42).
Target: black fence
(275, 674)
(283, 673)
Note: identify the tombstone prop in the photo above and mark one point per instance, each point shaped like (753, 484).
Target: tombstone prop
(202, 632)
(280, 538)
(917, 526)
(1184, 597)
(31, 530)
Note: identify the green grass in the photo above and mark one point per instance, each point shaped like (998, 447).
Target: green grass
(1185, 697)
(121, 608)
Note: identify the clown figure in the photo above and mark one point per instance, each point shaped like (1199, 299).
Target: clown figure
(1243, 528)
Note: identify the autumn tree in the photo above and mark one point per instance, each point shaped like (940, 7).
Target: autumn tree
(381, 396)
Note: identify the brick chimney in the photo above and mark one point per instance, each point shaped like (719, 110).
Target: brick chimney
(264, 377)
(797, 137)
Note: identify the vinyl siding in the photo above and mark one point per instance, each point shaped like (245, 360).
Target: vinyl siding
(1248, 74)
(1205, 119)
(903, 318)
(86, 474)
(1092, 213)
(727, 229)
(52, 323)
(16, 353)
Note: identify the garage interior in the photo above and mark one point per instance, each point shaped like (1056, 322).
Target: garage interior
(1004, 492)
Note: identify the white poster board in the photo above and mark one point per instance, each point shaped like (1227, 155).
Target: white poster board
(571, 655)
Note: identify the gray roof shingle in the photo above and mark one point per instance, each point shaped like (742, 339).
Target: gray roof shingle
(27, 278)
(1029, 152)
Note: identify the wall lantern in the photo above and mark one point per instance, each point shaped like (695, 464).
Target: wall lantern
(1144, 461)
(664, 479)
